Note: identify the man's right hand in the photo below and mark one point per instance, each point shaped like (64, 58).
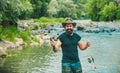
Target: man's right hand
(56, 45)
(52, 43)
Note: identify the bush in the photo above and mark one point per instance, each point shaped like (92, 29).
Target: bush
(11, 32)
(118, 13)
(109, 12)
(42, 25)
(25, 35)
(46, 20)
(35, 39)
(8, 33)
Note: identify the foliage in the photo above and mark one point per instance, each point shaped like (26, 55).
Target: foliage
(36, 4)
(8, 33)
(35, 39)
(95, 6)
(28, 10)
(44, 21)
(39, 8)
(53, 8)
(25, 35)
(117, 20)
(11, 32)
(35, 27)
(47, 20)
(42, 25)
(109, 12)
(66, 9)
(118, 12)
(12, 9)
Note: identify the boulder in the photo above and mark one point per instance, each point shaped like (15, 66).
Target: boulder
(3, 54)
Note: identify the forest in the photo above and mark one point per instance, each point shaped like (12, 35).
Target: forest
(96, 10)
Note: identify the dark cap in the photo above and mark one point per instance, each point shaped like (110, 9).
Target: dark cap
(68, 21)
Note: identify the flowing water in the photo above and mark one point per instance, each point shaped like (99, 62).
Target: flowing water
(104, 49)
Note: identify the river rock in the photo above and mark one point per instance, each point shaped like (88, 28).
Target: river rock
(2, 61)
(19, 42)
(3, 54)
(7, 44)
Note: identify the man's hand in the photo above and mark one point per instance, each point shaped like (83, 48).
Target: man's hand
(88, 44)
(56, 45)
(83, 46)
(52, 43)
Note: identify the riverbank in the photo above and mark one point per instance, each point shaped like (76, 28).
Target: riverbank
(19, 44)
(40, 36)
(97, 27)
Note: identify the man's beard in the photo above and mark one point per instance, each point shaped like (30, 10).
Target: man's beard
(69, 31)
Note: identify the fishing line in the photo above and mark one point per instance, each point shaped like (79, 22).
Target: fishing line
(91, 59)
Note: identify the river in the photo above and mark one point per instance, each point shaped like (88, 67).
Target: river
(104, 49)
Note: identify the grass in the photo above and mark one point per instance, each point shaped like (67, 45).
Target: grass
(8, 33)
(11, 32)
(25, 35)
(49, 21)
(117, 20)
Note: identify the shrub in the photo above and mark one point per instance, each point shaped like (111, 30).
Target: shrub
(46, 20)
(42, 25)
(11, 32)
(8, 33)
(25, 35)
(35, 39)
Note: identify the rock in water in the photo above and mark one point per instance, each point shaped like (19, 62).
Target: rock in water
(2, 53)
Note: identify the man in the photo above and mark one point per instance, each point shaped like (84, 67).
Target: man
(69, 41)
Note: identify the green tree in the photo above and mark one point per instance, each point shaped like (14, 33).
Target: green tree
(28, 9)
(45, 4)
(60, 8)
(52, 8)
(118, 12)
(10, 10)
(93, 7)
(36, 4)
(80, 9)
(39, 8)
(66, 8)
(109, 12)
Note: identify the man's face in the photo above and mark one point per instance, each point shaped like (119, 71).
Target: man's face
(69, 28)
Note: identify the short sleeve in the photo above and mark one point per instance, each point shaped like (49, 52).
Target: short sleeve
(60, 38)
(78, 37)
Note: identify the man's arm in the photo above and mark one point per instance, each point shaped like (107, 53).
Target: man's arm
(83, 46)
(56, 46)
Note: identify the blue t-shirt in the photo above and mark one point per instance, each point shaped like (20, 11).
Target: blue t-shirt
(69, 47)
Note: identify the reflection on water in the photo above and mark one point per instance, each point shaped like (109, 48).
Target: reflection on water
(104, 49)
